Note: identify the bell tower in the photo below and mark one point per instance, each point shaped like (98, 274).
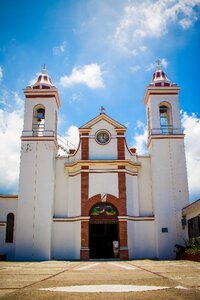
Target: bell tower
(37, 170)
(168, 164)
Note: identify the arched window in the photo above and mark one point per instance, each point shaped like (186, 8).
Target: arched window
(165, 118)
(103, 210)
(38, 120)
(10, 228)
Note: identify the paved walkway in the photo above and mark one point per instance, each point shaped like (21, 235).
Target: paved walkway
(138, 279)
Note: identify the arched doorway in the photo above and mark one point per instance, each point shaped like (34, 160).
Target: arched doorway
(103, 230)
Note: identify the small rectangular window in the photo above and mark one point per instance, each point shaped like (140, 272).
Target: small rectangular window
(164, 229)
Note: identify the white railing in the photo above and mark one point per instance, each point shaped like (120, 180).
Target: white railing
(167, 129)
(38, 132)
(64, 144)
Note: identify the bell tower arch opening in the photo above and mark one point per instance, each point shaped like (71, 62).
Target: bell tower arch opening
(165, 118)
(38, 120)
(103, 230)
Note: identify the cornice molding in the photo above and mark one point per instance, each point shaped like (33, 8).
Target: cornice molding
(152, 90)
(76, 166)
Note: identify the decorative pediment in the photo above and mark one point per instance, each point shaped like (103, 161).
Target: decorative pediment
(102, 116)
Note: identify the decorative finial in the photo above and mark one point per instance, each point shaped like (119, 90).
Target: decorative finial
(158, 63)
(44, 70)
(102, 110)
(103, 197)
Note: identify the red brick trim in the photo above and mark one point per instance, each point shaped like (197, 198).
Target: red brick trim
(72, 151)
(122, 191)
(120, 147)
(84, 251)
(121, 168)
(84, 148)
(84, 188)
(123, 253)
(96, 199)
(87, 204)
(40, 96)
(162, 93)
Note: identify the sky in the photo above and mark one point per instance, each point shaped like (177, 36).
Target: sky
(98, 53)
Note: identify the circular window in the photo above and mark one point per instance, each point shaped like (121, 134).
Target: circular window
(103, 137)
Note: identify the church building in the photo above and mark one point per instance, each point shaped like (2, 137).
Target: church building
(75, 206)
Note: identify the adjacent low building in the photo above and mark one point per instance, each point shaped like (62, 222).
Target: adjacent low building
(191, 219)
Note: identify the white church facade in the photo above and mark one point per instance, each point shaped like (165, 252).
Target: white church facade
(74, 206)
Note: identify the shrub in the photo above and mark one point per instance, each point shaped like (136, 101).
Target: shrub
(193, 246)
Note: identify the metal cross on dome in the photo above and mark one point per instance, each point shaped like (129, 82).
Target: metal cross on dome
(158, 64)
(158, 61)
(102, 110)
(44, 70)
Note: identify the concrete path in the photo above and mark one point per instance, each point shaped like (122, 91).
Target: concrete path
(138, 279)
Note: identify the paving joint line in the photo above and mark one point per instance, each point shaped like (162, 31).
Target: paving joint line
(142, 268)
(29, 285)
(164, 277)
(2, 288)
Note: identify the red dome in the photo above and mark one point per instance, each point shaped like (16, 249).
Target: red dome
(159, 78)
(43, 81)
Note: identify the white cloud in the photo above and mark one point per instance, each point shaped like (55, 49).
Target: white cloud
(191, 125)
(90, 75)
(75, 97)
(59, 50)
(164, 62)
(134, 52)
(152, 19)
(138, 51)
(69, 140)
(33, 80)
(135, 68)
(1, 73)
(19, 102)
(140, 138)
(73, 135)
(143, 48)
(10, 130)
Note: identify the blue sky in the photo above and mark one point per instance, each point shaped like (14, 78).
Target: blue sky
(98, 52)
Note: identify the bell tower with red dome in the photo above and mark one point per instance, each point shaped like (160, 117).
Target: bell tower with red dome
(167, 154)
(37, 170)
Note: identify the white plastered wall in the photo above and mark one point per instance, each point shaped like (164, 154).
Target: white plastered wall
(141, 239)
(24, 226)
(68, 192)
(61, 189)
(145, 187)
(132, 195)
(103, 182)
(35, 205)
(74, 196)
(66, 240)
(169, 187)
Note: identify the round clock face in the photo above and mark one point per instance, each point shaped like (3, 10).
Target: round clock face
(103, 137)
